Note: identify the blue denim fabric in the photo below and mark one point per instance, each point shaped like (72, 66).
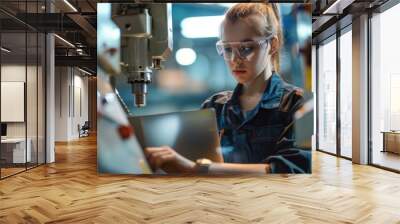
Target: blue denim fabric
(264, 135)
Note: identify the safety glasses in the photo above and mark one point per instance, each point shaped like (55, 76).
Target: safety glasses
(244, 50)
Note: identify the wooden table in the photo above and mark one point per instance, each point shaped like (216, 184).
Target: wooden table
(391, 141)
(13, 150)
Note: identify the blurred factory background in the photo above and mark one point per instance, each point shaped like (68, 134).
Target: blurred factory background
(195, 70)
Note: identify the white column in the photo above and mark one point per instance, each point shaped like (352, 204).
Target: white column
(50, 109)
(314, 91)
(50, 92)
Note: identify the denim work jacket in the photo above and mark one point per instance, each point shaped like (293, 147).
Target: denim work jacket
(264, 134)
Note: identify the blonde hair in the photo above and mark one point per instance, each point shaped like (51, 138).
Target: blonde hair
(269, 12)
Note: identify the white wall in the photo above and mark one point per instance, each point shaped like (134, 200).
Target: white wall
(61, 104)
(16, 73)
(71, 94)
(81, 100)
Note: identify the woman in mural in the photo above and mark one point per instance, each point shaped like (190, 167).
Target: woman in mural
(255, 119)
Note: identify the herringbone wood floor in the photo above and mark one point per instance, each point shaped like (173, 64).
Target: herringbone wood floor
(70, 191)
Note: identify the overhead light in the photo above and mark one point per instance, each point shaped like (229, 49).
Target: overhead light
(185, 56)
(337, 7)
(65, 41)
(79, 44)
(80, 52)
(5, 50)
(201, 27)
(84, 71)
(70, 5)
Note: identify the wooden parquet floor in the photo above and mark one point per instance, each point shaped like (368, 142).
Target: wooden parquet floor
(10, 171)
(71, 191)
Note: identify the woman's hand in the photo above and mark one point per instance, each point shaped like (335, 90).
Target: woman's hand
(172, 162)
(169, 160)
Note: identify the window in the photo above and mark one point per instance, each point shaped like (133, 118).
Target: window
(346, 94)
(327, 97)
(385, 87)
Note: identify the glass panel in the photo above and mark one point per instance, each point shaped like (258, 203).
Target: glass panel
(23, 81)
(385, 85)
(13, 86)
(346, 94)
(31, 99)
(32, 88)
(327, 97)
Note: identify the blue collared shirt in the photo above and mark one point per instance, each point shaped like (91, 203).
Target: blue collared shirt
(264, 134)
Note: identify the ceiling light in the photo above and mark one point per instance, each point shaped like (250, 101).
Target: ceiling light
(337, 7)
(65, 41)
(71, 6)
(5, 50)
(84, 71)
(201, 27)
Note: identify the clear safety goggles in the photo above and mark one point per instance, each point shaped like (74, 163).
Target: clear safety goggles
(245, 50)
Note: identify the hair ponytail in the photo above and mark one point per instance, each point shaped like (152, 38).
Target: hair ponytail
(279, 34)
